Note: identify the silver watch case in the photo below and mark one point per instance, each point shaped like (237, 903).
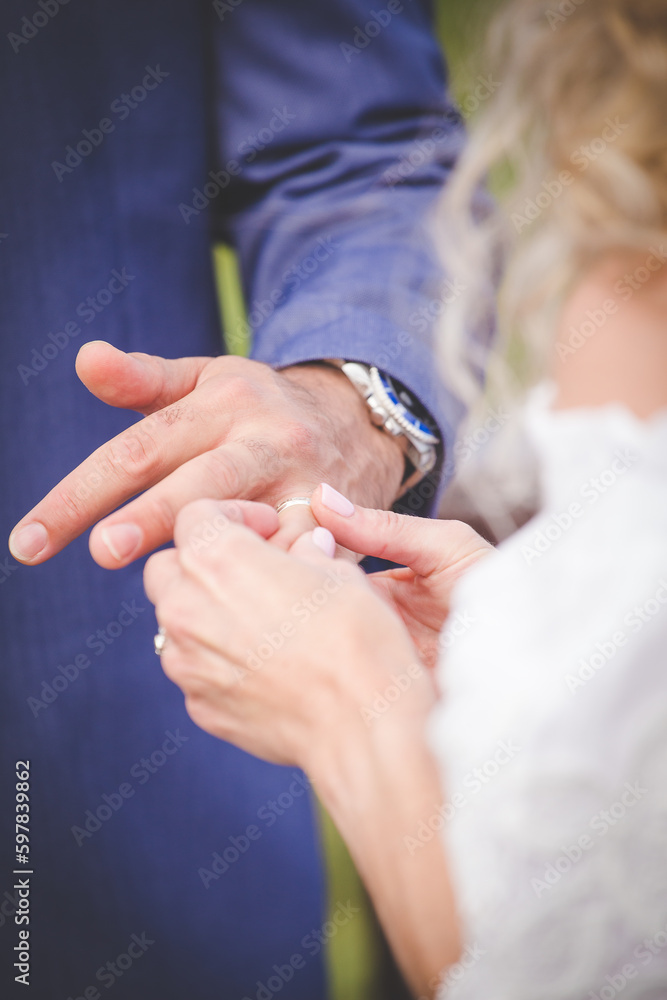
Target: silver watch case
(419, 443)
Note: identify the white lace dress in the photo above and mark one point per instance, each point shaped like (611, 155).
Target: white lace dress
(552, 731)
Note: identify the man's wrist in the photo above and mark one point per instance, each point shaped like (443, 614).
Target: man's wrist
(394, 408)
(375, 461)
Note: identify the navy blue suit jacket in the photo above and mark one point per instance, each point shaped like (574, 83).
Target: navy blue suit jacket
(314, 137)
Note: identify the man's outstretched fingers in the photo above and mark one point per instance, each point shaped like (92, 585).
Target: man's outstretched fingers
(144, 524)
(140, 382)
(131, 462)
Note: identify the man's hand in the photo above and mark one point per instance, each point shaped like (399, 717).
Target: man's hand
(222, 428)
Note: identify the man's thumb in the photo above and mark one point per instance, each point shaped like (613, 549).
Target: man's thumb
(140, 382)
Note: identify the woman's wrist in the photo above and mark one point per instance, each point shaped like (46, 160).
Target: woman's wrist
(378, 780)
(385, 691)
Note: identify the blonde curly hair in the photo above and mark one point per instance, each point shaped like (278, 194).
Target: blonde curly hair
(580, 121)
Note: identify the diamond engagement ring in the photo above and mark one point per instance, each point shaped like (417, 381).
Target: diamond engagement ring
(160, 641)
(292, 502)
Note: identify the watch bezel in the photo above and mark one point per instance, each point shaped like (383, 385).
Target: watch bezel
(387, 395)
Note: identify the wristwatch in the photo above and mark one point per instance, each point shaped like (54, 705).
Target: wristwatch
(395, 410)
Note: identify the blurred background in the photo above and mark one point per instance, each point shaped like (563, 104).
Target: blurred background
(495, 488)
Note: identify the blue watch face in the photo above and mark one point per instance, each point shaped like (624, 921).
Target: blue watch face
(409, 407)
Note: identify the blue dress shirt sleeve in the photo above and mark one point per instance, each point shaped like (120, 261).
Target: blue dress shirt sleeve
(335, 135)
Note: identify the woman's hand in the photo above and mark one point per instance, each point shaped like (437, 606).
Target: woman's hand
(436, 554)
(275, 651)
(280, 653)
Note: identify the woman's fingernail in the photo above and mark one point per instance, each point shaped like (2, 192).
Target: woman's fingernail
(324, 540)
(26, 543)
(121, 540)
(335, 501)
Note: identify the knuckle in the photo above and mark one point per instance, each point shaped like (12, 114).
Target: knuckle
(175, 411)
(180, 670)
(131, 455)
(389, 522)
(300, 439)
(73, 506)
(241, 392)
(266, 459)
